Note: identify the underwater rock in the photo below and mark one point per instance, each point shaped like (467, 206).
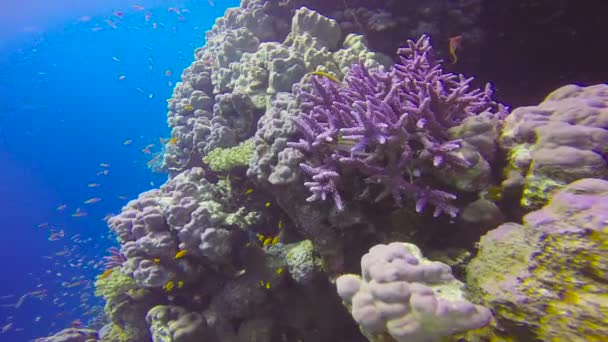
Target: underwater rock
(546, 280)
(401, 296)
(561, 140)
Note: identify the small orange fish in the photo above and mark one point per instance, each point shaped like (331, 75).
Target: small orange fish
(127, 142)
(172, 141)
(122, 77)
(454, 45)
(104, 165)
(62, 207)
(106, 274)
(168, 72)
(93, 185)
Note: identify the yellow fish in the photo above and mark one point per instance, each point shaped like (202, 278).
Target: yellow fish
(260, 237)
(267, 242)
(156, 260)
(280, 270)
(280, 224)
(169, 286)
(275, 240)
(324, 74)
(248, 191)
(188, 108)
(172, 141)
(267, 204)
(180, 254)
(180, 284)
(106, 274)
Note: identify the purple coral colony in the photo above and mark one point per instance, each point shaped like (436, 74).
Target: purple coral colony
(311, 172)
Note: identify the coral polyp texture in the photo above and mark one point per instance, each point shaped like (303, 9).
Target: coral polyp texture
(407, 297)
(391, 127)
(547, 279)
(561, 140)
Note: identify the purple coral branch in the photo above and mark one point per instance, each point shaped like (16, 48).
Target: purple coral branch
(115, 259)
(388, 125)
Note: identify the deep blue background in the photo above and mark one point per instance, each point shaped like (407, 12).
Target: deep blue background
(63, 111)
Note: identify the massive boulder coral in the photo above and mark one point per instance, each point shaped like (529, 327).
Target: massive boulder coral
(401, 296)
(561, 140)
(170, 323)
(389, 128)
(183, 215)
(547, 279)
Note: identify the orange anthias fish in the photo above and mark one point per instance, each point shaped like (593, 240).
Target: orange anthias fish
(454, 45)
(56, 235)
(93, 185)
(92, 200)
(79, 213)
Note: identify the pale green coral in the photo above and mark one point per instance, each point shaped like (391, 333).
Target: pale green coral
(125, 304)
(226, 159)
(302, 262)
(114, 285)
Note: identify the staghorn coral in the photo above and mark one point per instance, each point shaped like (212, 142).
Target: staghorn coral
(391, 127)
(402, 295)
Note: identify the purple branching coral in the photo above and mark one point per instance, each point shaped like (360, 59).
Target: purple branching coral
(391, 127)
(115, 259)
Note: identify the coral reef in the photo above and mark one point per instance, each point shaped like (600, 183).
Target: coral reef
(561, 140)
(401, 294)
(302, 147)
(546, 279)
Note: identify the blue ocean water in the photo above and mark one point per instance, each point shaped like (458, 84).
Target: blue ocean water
(75, 87)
